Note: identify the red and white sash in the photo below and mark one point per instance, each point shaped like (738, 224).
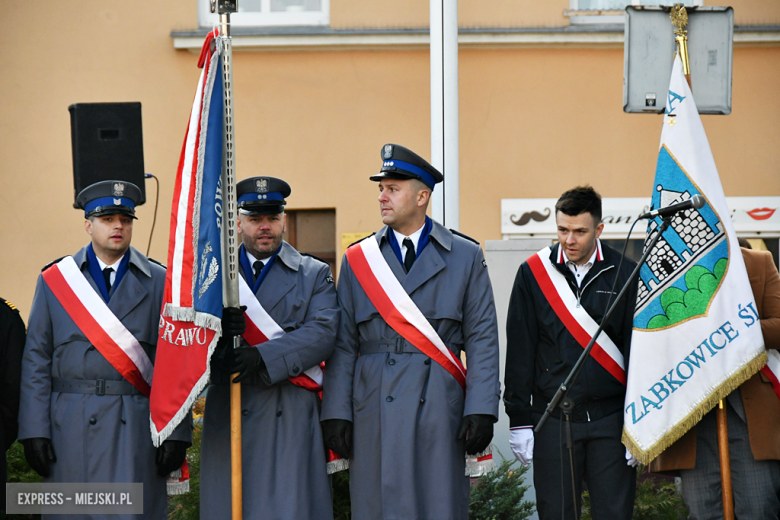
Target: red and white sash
(99, 324)
(261, 327)
(397, 308)
(772, 369)
(574, 317)
(109, 336)
(400, 312)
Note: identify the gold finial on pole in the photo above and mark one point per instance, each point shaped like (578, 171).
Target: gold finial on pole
(680, 22)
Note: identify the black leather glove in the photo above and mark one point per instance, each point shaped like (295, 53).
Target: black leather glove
(233, 322)
(222, 358)
(170, 456)
(477, 429)
(337, 434)
(39, 454)
(247, 361)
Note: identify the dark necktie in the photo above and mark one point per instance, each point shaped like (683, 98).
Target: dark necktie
(410, 256)
(107, 277)
(257, 266)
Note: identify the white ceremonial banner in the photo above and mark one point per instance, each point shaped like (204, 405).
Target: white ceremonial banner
(696, 335)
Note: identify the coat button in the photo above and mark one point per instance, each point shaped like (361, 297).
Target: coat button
(428, 361)
(389, 399)
(91, 347)
(295, 370)
(92, 420)
(279, 413)
(391, 362)
(244, 412)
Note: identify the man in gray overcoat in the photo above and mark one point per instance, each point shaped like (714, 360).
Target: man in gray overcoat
(81, 419)
(396, 407)
(284, 461)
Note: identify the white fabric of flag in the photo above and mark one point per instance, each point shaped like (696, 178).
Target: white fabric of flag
(696, 333)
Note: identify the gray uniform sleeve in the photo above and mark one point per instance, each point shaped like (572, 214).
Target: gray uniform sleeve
(480, 333)
(35, 399)
(340, 367)
(310, 344)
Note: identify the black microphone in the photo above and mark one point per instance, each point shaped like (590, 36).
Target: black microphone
(696, 202)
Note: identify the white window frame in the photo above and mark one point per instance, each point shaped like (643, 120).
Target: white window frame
(265, 18)
(579, 16)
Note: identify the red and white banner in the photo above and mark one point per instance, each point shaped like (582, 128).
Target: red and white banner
(190, 319)
(99, 324)
(397, 308)
(772, 369)
(574, 317)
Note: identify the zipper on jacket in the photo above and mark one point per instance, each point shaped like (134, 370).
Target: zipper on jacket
(581, 290)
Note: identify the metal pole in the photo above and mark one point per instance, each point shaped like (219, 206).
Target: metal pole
(444, 110)
(230, 242)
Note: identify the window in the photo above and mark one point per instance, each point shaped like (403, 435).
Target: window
(258, 13)
(314, 232)
(609, 11)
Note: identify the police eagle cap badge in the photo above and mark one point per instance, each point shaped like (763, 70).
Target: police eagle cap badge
(119, 189)
(261, 185)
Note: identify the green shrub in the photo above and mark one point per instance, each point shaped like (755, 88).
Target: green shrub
(656, 499)
(499, 494)
(19, 471)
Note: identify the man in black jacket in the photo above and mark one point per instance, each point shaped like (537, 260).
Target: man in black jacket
(12, 336)
(560, 295)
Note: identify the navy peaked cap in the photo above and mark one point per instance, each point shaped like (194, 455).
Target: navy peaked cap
(399, 162)
(109, 198)
(262, 195)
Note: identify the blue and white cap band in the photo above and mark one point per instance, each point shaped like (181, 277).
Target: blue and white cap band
(426, 177)
(260, 197)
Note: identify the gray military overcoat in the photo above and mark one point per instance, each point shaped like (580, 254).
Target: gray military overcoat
(96, 438)
(406, 461)
(284, 466)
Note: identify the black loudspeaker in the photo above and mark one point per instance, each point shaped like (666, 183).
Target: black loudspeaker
(107, 144)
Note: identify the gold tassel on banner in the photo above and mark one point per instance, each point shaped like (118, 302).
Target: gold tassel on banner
(728, 386)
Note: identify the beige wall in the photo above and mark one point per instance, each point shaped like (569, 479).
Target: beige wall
(534, 121)
(505, 13)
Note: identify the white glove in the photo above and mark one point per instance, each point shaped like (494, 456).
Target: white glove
(630, 459)
(522, 442)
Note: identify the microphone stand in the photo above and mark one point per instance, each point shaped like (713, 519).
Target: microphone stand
(561, 399)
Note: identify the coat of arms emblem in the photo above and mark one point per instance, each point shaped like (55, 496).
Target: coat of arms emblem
(261, 185)
(119, 189)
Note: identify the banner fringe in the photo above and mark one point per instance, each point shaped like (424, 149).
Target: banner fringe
(337, 465)
(477, 468)
(159, 437)
(178, 488)
(681, 428)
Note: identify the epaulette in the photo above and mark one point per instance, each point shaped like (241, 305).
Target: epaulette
(10, 305)
(51, 263)
(464, 236)
(152, 260)
(314, 257)
(359, 241)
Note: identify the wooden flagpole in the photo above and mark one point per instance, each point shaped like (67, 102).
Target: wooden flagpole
(680, 21)
(725, 463)
(229, 240)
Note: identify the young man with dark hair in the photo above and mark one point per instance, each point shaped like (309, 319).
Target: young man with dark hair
(544, 341)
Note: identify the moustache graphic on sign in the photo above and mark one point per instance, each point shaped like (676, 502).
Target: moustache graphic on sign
(525, 218)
